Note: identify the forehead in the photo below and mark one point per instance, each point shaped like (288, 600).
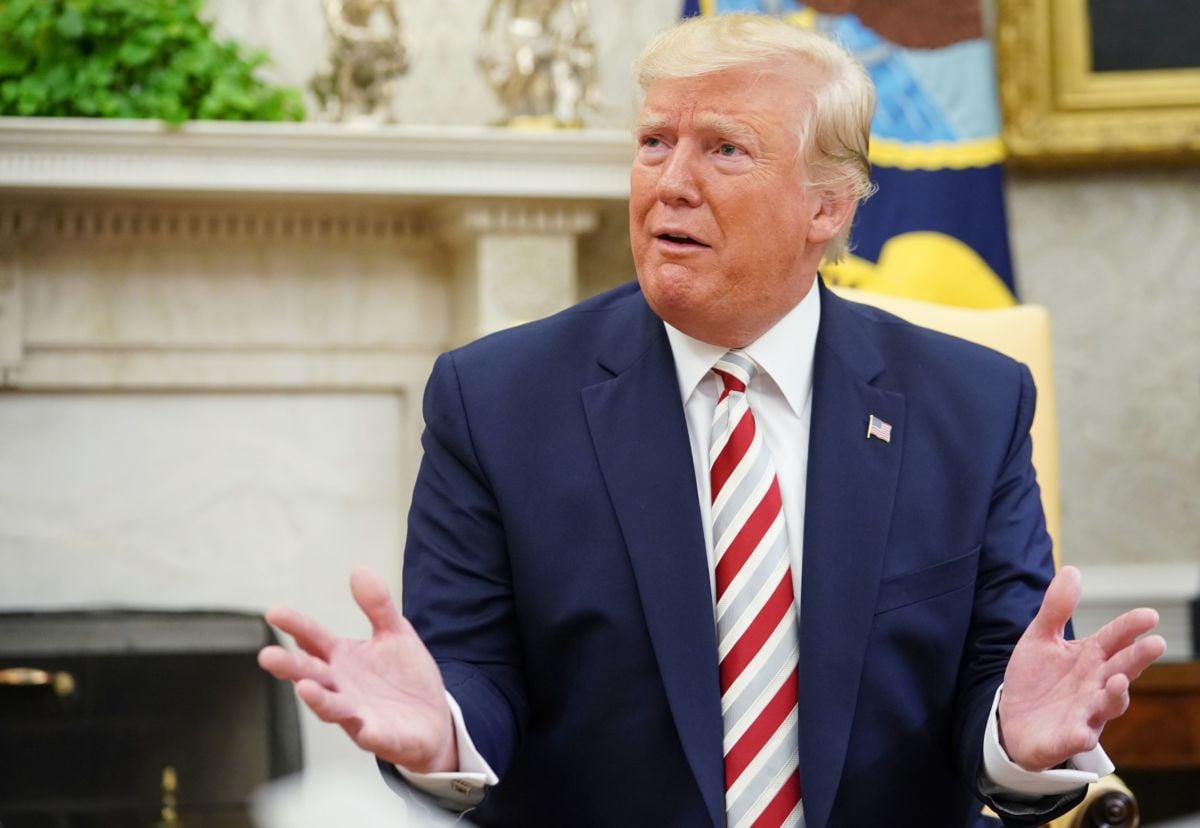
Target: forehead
(754, 94)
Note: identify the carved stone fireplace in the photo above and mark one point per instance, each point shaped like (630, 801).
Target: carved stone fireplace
(213, 343)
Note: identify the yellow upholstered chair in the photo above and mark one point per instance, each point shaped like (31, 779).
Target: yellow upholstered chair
(1022, 332)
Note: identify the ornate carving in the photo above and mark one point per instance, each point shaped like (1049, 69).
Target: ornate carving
(471, 221)
(540, 59)
(104, 221)
(367, 54)
(10, 314)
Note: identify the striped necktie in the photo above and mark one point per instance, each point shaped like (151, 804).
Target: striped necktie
(757, 640)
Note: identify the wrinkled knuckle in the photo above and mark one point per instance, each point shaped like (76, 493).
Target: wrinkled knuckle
(1087, 739)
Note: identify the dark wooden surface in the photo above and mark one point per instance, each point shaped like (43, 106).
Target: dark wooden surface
(1161, 729)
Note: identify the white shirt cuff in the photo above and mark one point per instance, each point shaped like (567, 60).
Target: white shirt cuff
(459, 789)
(1082, 768)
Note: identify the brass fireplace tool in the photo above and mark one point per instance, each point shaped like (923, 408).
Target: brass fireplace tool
(170, 803)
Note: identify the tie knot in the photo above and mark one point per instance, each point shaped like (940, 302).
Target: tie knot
(736, 369)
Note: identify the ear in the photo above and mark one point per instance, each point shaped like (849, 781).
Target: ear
(834, 209)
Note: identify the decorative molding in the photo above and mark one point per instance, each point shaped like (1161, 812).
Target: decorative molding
(312, 158)
(460, 221)
(15, 222)
(99, 221)
(11, 327)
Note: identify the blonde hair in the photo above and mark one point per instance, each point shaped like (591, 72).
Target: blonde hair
(834, 132)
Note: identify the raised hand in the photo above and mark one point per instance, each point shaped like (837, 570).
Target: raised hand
(386, 692)
(1059, 694)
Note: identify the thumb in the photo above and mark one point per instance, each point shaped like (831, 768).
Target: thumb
(372, 596)
(1062, 596)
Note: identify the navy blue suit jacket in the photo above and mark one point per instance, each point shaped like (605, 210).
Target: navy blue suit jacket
(555, 566)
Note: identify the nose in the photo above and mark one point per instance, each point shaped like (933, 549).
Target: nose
(677, 183)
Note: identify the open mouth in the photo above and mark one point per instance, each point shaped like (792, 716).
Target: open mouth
(677, 238)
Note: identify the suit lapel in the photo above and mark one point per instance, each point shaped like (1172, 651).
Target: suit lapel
(640, 436)
(850, 491)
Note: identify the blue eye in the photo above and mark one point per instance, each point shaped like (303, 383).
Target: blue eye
(728, 150)
(651, 142)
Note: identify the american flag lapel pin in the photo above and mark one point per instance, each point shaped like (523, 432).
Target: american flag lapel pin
(878, 429)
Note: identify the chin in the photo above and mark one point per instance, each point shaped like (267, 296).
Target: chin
(677, 302)
(671, 295)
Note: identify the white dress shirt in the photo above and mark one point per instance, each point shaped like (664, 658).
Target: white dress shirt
(781, 397)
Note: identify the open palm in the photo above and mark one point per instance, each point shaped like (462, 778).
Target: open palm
(1059, 694)
(386, 691)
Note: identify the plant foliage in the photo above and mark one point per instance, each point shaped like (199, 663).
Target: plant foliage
(130, 59)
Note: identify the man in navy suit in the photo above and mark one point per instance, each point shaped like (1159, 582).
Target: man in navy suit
(559, 660)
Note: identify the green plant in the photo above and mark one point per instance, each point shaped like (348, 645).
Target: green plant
(129, 59)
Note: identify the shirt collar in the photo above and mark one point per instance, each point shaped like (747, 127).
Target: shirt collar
(784, 352)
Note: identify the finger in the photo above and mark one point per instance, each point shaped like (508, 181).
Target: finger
(310, 636)
(1113, 701)
(276, 661)
(1062, 596)
(328, 705)
(290, 666)
(1123, 630)
(1135, 658)
(372, 596)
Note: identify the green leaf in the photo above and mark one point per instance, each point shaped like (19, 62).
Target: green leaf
(132, 53)
(12, 63)
(70, 25)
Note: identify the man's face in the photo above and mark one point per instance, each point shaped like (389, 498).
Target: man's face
(726, 235)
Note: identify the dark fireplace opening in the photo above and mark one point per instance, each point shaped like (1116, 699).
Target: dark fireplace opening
(138, 718)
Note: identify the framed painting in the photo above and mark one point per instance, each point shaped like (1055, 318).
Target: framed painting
(1099, 82)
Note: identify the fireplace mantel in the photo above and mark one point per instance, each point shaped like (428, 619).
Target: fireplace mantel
(462, 230)
(410, 162)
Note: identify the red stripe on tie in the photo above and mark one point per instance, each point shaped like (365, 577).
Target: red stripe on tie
(782, 804)
(747, 539)
(732, 453)
(731, 381)
(756, 635)
(760, 732)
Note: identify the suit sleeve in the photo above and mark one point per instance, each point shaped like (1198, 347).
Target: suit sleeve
(457, 581)
(1015, 568)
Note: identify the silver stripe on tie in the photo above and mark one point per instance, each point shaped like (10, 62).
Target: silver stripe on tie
(745, 696)
(762, 575)
(736, 492)
(778, 763)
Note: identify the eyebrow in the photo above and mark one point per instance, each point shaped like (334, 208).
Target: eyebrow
(711, 121)
(649, 122)
(724, 125)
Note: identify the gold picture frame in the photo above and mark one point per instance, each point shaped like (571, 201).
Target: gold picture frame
(1058, 111)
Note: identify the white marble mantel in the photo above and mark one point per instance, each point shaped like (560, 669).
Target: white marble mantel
(489, 218)
(417, 162)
